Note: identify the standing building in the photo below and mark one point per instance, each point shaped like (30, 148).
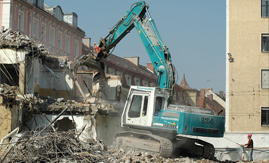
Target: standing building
(247, 68)
(247, 71)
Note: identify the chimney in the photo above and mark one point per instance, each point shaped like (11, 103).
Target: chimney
(202, 93)
(210, 97)
(87, 42)
(221, 94)
(134, 60)
(150, 67)
(201, 98)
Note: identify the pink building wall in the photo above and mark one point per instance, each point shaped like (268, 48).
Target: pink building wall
(1, 11)
(29, 11)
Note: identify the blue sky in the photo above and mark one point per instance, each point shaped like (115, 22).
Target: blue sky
(193, 30)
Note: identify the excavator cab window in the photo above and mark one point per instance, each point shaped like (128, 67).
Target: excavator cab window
(158, 105)
(135, 106)
(145, 107)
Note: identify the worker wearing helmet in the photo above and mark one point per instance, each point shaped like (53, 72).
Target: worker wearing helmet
(249, 146)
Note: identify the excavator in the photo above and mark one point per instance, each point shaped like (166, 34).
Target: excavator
(150, 120)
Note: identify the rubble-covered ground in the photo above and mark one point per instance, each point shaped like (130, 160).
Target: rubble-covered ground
(67, 147)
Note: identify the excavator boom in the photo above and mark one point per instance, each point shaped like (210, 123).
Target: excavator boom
(151, 123)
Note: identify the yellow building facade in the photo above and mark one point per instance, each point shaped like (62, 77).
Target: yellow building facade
(247, 66)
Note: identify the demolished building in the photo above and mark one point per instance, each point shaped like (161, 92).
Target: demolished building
(28, 74)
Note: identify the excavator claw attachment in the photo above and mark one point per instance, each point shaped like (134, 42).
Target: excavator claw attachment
(90, 62)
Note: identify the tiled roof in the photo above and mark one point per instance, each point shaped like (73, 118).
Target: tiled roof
(125, 65)
(215, 106)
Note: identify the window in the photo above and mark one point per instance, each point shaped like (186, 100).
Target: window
(60, 40)
(67, 43)
(135, 106)
(58, 13)
(11, 15)
(159, 105)
(265, 78)
(75, 20)
(145, 83)
(39, 3)
(265, 42)
(43, 32)
(145, 107)
(128, 82)
(71, 18)
(265, 8)
(21, 21)
(52, 35)
(265, 116)
(137, 82)
(35, 28)
(76, 47)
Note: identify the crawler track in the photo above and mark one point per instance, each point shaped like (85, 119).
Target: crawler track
(181, 146)
(147, 142)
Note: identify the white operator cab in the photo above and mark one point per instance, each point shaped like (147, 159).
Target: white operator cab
(142, 104)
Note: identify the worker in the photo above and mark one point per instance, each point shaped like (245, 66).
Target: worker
(250, 146)
(94, 46)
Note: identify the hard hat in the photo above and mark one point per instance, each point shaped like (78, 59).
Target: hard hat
(249, 135)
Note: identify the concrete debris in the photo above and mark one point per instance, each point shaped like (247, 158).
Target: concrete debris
(10, 39)
(11, 95)
(57, 147)
(15, 40)
(66, 147)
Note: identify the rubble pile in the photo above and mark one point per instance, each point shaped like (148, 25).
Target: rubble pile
(57, 147)
(11, 95)
(8, 92)
(67, 147)
(14, 39)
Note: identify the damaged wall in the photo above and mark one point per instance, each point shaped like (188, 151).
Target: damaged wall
(107, 126)
(111, 88)
(38, 72)
(9, 118)
(58, 85)
(65, 122)
(54, 81)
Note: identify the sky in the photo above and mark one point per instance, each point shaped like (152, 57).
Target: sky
(193, 30)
